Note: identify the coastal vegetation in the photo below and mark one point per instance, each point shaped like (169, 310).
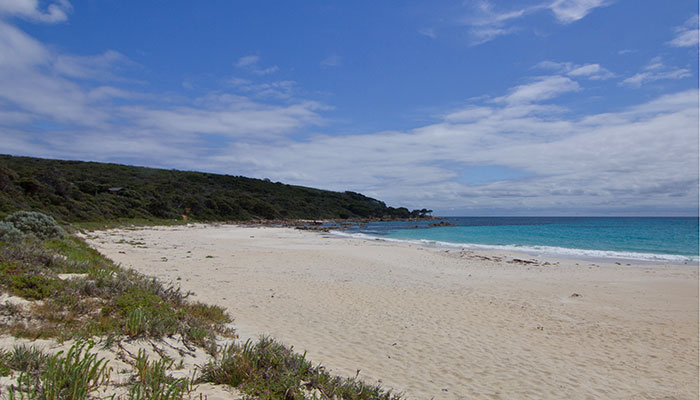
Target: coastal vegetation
(77, 191)
(56, 287)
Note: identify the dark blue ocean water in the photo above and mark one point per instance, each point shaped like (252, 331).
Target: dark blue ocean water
(660, 239)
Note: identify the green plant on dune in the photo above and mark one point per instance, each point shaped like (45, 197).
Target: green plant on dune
(153, 382)
(23, 359)
(270, 370)
(266, 368)
(70, 376)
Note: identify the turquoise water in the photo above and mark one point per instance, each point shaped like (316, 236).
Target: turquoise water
(654, 239)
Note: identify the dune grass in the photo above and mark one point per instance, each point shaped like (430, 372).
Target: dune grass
(73, 375)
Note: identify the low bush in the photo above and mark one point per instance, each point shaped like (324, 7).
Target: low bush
(267, 369)
(8, 232)
(35, 223)
(33, 287)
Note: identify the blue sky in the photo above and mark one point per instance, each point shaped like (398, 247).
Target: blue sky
(577, 107)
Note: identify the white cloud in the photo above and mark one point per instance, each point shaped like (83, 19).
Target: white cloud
(645, 156)
(34, 80)
(240, 81)
(589, 71)
(486, 23)
(277, 89)
(227, 116)
(37, 84)
(542, 88)
(654, 71)
(482, 35)
(29, 9)
(247, 61)
(429, 32)
(18, 50)
(687, 34)
(468, 114)
(99, 67)
(568, 11)
(266, 71)
(251, 63)
(486, 15)
(332, 61)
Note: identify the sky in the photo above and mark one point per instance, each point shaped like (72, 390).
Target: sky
(553, 107)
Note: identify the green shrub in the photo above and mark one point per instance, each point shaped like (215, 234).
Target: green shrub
(268, 369)
(35, 223)
(35, 287)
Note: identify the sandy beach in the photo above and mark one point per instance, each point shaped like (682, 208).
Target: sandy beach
(439, 324)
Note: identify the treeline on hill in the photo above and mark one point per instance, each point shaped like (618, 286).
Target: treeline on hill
(75, 191)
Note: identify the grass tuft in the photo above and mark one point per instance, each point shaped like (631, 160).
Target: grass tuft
(73, 376)
(153, 381)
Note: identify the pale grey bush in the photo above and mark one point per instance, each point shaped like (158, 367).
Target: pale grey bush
(8, 233)
(35, 223)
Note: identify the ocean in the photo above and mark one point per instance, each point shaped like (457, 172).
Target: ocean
(642, 239)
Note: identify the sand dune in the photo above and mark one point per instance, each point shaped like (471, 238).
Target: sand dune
(435, 323)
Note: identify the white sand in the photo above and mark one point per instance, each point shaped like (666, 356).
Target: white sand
(432, 323)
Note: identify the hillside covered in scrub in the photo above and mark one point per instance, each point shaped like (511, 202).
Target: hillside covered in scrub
(74, 191)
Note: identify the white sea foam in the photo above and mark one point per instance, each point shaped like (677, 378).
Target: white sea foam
(550, 251)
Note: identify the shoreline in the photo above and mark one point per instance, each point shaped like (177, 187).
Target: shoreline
(572, 254)
(435, 322)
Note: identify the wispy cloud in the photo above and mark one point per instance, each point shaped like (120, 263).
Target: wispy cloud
(486, 23)
(225, 115)
(429, 32)
(98, 67)
(252, 64)
(480, 35)
(654, 71)
(595, 161)
(568, 11)
(541, 88)
(687, 34)
(588, 71)
(276, 89)
(332, 61)
(56, 11)
(247, 61)
(64, 92)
